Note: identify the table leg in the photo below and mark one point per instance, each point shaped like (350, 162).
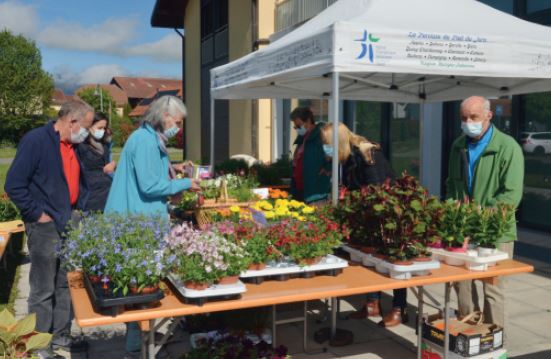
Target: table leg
(420, 322)
(305, 332)
(274, 326)
(447, 320)
(151, 341)
(333, 318)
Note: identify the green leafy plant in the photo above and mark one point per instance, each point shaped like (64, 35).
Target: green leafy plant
(189, 201)
(455, 226)
(490, 223)
(235, 347)
(18, 339)
(8, 211)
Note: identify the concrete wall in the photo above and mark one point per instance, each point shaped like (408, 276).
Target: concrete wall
(192, 21)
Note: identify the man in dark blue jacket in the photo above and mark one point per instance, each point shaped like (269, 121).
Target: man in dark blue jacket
(44, 182)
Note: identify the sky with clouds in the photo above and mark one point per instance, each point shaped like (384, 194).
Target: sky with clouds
(92, 41)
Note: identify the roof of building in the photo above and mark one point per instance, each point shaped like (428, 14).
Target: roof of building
(169, 14)
(144, 87)
(144, 104)
(118, 95)
(58, 97)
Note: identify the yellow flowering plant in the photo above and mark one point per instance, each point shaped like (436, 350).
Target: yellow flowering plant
(281, 208)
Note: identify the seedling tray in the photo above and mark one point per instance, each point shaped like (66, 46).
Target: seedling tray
(472, 262)
(214, 292)
(328, 265)
(105, 301)
(393, 270)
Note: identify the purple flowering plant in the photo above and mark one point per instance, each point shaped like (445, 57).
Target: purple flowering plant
(124, 251)
(203, 256)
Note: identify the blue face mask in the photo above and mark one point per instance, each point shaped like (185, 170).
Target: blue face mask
(301, 131)
(328, 149)
(472, 129)
(171, 132)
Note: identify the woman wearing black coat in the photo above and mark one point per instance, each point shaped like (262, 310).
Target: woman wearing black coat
(363, 164)
(97, 167)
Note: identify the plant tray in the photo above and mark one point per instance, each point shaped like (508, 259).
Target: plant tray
(115, 304)
(329, 265)
(395, 271)
(214, 292)
(472, 262)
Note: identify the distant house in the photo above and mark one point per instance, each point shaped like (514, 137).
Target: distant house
(59, 98)
(143, 105)
(119, 96)
(140, 88)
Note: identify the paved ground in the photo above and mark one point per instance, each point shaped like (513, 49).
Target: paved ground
(528, 308)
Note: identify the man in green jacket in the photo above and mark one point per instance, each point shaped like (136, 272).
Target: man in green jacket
(486, 166)
(311, 180)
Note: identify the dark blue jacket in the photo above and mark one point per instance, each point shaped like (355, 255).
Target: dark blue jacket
(36, 182)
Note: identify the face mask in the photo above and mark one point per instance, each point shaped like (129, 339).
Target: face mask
(301, 131)
(98, 134)
(472, 129)
(328, 149)
(80, 136)
(171, 132)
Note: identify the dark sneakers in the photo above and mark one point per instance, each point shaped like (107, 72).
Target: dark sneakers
(69, 344)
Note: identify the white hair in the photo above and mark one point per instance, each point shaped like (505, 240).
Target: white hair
(75, 108)
(486, 105)
(165, 104)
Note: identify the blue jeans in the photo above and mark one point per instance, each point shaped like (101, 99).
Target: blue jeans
(399, 299)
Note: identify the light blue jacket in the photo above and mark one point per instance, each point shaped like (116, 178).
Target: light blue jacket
(142, 184)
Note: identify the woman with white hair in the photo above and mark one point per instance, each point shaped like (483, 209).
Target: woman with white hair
(145, 178)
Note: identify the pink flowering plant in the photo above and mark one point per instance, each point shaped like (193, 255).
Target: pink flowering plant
(120, 251)
(203, 256)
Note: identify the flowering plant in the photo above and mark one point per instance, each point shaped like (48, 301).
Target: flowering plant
(302, 240)
(276, 210)
(123, 252)
(204, 256)
(250, 236)
(233, 347)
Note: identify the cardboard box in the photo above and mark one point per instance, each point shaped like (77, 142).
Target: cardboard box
(433, 351)
(465, 339)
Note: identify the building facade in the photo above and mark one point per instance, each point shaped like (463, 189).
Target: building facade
(415, 139)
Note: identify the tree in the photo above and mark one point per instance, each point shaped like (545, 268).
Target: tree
(92, 96)
(25, 88)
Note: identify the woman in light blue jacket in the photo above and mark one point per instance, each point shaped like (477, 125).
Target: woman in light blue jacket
(145, 178)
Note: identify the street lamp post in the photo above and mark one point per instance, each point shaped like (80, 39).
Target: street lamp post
(99, 91)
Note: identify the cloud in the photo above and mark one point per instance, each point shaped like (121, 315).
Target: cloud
(108, 37)
(69, 79)
(167, 49)
(18, 18)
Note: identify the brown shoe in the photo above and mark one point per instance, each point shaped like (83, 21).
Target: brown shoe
(372, 308)
(395, 317)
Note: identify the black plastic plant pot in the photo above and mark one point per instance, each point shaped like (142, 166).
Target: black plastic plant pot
(105, 301)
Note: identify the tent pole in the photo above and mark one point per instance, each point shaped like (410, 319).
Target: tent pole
(212, 133)
(335, 121)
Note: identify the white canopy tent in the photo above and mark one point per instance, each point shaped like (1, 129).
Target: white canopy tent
(393, 51)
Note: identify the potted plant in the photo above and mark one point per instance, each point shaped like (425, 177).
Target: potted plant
(489, 225)
(203, 257)
(234, 347)
(120, 253)
(8, 211)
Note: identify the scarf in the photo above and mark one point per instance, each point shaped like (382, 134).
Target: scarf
(162, 141)
(97, 146)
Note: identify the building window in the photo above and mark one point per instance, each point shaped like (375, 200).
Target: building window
(535, 138)
(537, 5)
(503, 5)
(368, 120)
(404, 138)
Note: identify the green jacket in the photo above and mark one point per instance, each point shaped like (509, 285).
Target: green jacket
(316, 186)
(498, 174)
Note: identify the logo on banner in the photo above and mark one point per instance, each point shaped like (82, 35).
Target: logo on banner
(366, 42)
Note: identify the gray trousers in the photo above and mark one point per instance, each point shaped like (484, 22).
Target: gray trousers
(494, 295)
(49, 291)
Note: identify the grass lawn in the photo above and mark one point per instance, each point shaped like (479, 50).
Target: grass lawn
(7, 152)
(3, 172)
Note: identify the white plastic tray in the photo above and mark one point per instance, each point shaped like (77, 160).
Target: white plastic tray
(393, 270)
(215, 290)
(327, 263)
(470, 260)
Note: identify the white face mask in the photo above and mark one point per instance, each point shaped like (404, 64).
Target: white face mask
(301, 131)
(80, 136)
(171, 132)
(98, 134)
(472, 129)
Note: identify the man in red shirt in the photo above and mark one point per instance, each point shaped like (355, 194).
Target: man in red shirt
(45, 183)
